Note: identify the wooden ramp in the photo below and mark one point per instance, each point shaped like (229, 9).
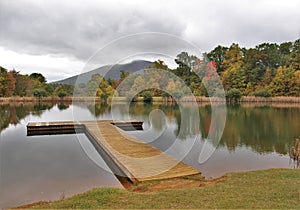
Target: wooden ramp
(136, 160)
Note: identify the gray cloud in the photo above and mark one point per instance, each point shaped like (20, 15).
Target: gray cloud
(78, 28)
(75, 30)
(246, 22)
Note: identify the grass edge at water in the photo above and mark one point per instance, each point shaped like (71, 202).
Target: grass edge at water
(272, 188)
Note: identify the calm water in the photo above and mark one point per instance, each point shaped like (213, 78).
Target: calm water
(52, 167)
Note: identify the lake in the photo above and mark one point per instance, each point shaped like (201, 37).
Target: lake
(34, 168)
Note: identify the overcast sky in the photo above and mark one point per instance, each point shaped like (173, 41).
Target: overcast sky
(57, 37)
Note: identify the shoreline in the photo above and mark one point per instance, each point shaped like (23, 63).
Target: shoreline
(198, 99)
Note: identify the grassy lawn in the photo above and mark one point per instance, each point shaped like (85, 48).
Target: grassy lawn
(274, 188)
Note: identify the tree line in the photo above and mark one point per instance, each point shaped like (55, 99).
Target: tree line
(268, 69)
(12, 83)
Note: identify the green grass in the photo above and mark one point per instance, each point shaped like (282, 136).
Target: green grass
(274, 188)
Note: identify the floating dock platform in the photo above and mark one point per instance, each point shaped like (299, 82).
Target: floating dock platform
(126, 155)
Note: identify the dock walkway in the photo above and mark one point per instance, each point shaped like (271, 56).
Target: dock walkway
(138, 161)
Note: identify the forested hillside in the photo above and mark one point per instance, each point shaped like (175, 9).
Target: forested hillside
(269, 69)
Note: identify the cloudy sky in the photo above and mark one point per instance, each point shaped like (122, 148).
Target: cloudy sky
(58, 37)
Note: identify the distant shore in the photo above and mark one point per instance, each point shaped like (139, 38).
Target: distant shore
(199, 99)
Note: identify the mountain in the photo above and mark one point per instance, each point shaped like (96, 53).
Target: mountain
(113, 72)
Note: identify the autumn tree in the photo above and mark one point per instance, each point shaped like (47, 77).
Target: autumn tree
(218, 55)
(99, 87)
(11, 84)
(139, 82)
(185, 70)
(234, 74)
(38, 76)
(296, 81)
(23, 84)
(186, 59)
(93, 85)
(233, 57)
(4, 81)
(265, 81)
(211, 82)
(104, 90)
(284, 82)
(159, 64)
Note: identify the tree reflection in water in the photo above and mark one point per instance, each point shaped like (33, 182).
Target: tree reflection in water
(11, 114)
(264, 129)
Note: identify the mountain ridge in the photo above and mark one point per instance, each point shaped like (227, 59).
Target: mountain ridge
(110, 71)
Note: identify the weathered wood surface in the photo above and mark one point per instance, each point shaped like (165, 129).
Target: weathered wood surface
(64, 127)
(139, 161)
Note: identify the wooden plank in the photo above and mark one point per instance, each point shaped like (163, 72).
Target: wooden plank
(137, 160)
(142, 161)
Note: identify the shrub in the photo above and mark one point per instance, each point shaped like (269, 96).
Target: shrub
(147, 97)
(262, 93)
(233, 95)
(61, 93)
(39, 93)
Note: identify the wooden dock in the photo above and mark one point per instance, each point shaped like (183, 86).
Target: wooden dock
(126, 155)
